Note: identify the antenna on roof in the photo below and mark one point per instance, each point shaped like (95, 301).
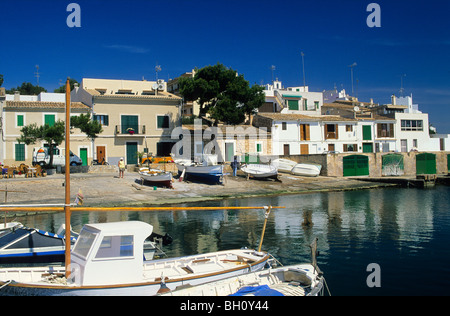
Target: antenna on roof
(272, 68)
(37, 74)
(157, 69)
(401, 85)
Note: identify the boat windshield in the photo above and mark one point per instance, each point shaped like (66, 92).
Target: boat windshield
(84, 243)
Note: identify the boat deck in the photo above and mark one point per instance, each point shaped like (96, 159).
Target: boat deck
(198, 264)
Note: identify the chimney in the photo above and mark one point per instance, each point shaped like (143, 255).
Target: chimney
(16, 95)
(393, 99)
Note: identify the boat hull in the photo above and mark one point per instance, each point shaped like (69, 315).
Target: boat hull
(260, 171)
(161, 179)
(284, 165)
(268, 282)
(306, 170)
(209, 174)
(12, 288)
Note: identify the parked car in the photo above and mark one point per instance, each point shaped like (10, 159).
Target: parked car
(41, 157)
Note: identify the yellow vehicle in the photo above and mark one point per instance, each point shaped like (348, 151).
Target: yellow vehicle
(151, 159)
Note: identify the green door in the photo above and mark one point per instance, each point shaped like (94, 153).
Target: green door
(367, 132)
(129, 122)
(132, 153)
(84, 156)
(367, 147)
(356, 165)
(392, 165)
(448, 163)
(229, 151)
(426, 163)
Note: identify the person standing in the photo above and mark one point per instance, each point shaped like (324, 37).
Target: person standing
(234, 165)
(121, 167)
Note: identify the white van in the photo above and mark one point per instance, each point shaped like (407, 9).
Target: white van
(42, 157)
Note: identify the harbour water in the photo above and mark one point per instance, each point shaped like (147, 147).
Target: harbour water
(406, 232)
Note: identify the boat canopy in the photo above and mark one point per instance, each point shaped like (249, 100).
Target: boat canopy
(110, 253)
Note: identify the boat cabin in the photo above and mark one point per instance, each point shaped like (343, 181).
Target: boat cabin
(110, 253)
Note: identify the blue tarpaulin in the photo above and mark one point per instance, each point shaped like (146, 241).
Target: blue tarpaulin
(262, 290)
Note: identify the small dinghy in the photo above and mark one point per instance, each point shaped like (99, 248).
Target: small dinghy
(307, 169)
(284, 165)
(156, 177)
(260, 171)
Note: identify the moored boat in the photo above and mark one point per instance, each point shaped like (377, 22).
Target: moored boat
(260, 171)
(107, 260)
(294, 280)
(31, 245)
(306, 169)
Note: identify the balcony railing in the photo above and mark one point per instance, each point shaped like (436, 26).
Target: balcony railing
(130, 130)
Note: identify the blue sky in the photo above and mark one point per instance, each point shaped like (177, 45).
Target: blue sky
(126, 39)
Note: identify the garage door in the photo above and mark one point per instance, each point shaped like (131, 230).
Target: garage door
(356, 165)
(392, 165)
(426, 163)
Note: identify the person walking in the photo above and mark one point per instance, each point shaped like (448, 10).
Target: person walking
(121, 167)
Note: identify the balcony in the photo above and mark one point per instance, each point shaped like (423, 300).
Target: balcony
(130, 130)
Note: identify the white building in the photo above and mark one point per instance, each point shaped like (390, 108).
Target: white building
(292, 100)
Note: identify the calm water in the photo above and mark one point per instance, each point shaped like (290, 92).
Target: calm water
(405, 231)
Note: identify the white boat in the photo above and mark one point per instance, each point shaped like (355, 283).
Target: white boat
(107, 260)
(156, 177)
(260, 171)
(294, 280)
(284, 165)
(307, 169)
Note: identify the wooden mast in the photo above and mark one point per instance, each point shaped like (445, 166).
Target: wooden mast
(67, 182)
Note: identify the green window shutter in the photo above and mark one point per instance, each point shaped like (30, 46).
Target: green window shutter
(130, 121)
(367, 132)
(258, 148)
(49, 119)
(293, 104)
(163, 121)
(19, 120)
(20, 152)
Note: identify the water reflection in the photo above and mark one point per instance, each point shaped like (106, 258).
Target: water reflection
(393, 227)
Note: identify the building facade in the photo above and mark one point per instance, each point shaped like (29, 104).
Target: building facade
(18, 111)
(137, 117)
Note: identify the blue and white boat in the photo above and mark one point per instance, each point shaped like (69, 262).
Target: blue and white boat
(22, 244)
(206, 171)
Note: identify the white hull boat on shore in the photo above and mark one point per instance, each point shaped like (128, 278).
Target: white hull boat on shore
(156, 177)
(284, 165)
(107, 260)
(306, 169)
(260, 171)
